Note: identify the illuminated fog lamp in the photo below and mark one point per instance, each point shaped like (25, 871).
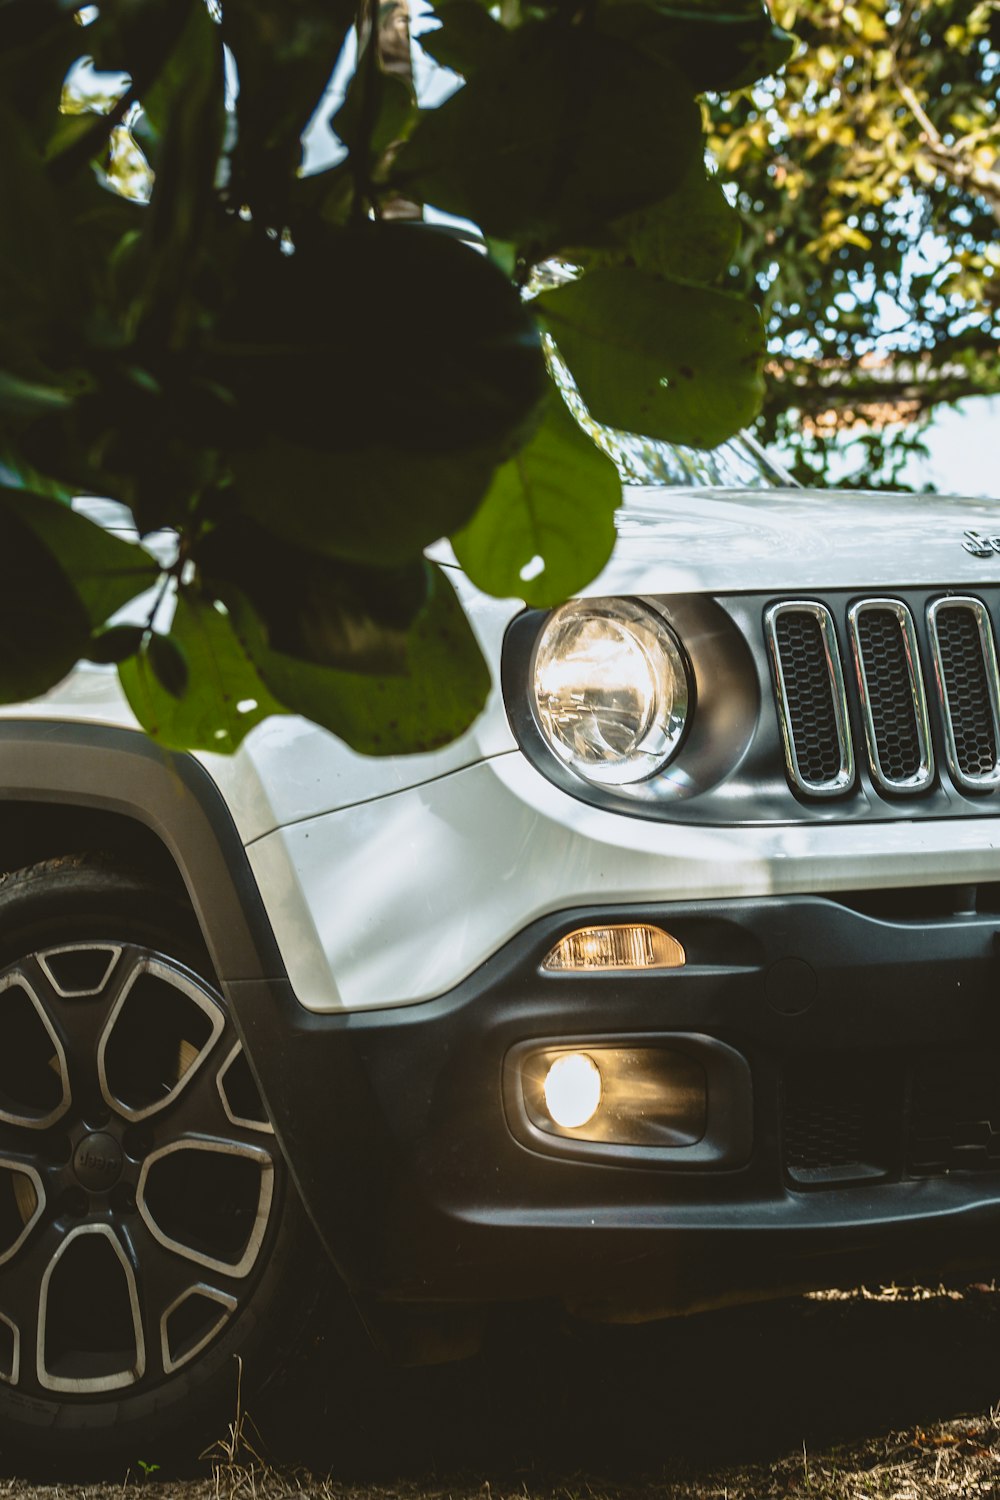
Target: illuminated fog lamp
(573, 1090)
(628, 945)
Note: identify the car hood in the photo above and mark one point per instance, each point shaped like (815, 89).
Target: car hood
(726, 541)
(673, 540)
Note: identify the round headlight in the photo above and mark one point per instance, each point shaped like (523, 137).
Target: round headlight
(610, 689)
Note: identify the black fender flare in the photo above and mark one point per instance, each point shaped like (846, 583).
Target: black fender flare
(120, 771)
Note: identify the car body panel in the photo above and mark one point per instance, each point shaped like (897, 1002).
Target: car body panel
(395, 902)
(673, 541)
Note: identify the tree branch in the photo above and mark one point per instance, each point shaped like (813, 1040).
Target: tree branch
(953, 161)
(810, 389)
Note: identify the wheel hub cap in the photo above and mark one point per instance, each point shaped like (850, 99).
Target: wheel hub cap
(98, 1161)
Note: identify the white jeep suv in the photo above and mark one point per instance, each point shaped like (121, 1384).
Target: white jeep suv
(673, 982)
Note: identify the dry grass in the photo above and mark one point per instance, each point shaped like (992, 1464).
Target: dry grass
(955, 1460)
(888, 1395)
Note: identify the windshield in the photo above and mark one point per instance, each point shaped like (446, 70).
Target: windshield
(739, 464)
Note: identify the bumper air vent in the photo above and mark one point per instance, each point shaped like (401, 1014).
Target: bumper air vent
(955, 1114)
(836, 1119)
(892, 695)
(811, 703)
(965, 663)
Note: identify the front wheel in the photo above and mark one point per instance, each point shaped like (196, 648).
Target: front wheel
(149, 1232)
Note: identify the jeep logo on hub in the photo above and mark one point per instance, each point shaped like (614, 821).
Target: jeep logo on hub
(97, 1161)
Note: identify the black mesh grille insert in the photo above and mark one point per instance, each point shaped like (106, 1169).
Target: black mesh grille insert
(964, 672)
(812, 720)
(834, 1117)
(890, 698)
(856, 1116)
(955, 1113)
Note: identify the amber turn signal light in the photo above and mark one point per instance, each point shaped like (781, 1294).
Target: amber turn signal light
(627, 945)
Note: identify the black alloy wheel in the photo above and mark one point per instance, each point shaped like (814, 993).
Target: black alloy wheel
(148, 1229)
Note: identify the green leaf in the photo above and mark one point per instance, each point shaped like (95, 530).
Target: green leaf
(168, 663)
(439, 352)
(718, 47)
(381, 504)
(39, 40)
(285, 52)
(553, 503)
(446, 378)
(224, 696)
(43, 625)
(693, 235)
(16, 473)
(106, 571)
(666, 359)
(33, 260)
(562, 131)
(110, 647)
(391, 112)
(189, 98)
(437, 699)
(136, 37)
(69, 132)
(468, 37)
(27, 398)
(148, 45)
(319, 609)
(503, 254)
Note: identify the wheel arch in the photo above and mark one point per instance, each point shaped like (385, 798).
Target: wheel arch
(67, 787)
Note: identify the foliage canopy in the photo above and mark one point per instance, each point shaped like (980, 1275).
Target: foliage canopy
(868, 178)
(307, 393)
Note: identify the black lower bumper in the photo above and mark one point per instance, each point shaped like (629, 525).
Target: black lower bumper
(870, 1143)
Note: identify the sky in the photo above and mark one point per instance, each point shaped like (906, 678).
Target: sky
(964, 450)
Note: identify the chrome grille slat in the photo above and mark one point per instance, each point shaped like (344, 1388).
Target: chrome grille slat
(893, 699)
(812, 704)
(965, 666)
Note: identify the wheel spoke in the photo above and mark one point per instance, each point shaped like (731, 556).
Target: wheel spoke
(240, 1096)
(192, 1321)
(10, 1351)
(77, 1017)
(20, 1287)
(221, 1101)
(79, 971)
(34, 1066)
(209, 1201)
(182, 1308)
(22, 1204)
(73, 988)
(89, 1345)
(157, 1038)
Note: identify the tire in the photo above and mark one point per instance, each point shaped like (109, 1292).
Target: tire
(150, 1236)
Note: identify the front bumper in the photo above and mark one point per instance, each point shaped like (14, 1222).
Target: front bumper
(871, 1133)
(401, 899)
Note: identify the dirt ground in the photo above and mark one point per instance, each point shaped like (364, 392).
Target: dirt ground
(894, 1396)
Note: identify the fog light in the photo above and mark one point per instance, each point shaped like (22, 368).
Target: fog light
(573, 1090)
(606, 1091)
(627, 945)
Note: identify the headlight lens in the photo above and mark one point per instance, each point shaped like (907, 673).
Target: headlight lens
(610, 689)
